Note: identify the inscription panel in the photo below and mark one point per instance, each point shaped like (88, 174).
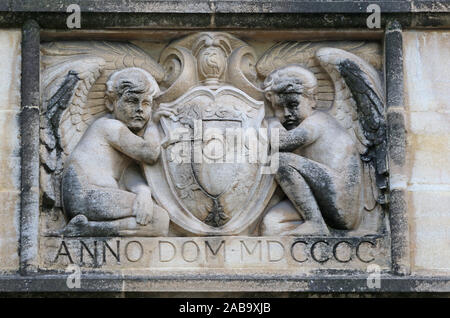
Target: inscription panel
(215, 253)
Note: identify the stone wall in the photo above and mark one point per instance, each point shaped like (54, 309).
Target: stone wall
(9, 148)
(425, 179)
(427, 95)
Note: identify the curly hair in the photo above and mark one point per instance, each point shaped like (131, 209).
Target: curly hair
(291, 78)
(131, 80)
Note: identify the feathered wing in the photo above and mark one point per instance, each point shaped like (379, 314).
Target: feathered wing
(303, 53)
(359, 107)
(73, 92)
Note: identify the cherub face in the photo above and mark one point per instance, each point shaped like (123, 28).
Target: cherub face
(291, 92)
(290, 108)
(129, 96)
(134, 109)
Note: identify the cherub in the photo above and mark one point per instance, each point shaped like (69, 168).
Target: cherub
(103, 192)
(319, 165)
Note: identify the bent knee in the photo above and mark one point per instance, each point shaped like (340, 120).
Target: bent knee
(285, 159)
(285, 169)
(343, 220)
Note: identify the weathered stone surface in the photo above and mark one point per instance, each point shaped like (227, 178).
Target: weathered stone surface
(399, 225)
(252, 14)
(426, 65)
(394, 60)
(227, 6)
(216, 255)
(9, 149)
(29, 130)
(10, 66)
(427, 85)
(430, 229)
(9, 231)
(431, 123)
(429, 159)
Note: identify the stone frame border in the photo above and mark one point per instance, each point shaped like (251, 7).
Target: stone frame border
(225, 284)
(398, 280)
(29, 128)
(398, 217)
(101, 14)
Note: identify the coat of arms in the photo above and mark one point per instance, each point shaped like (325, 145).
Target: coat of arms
(214, 146)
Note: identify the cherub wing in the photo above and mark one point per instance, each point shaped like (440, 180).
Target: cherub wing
(359, 107)
(303, 53)
(74, 84)
(67, 112)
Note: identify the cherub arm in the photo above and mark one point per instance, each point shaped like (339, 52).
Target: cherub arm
(143, 204)
(146, 149)
(134, 181)
(304, 134)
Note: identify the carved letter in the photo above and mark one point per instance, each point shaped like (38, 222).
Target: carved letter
(258, 243)
(208, 247)
(313, 247)
(183, 250)
(115, 254)
(269, 255)
(140, 253)
(63, 245)
(359, 255)
(174, 250)
(305, 252)
(83, 246)
(335, 252)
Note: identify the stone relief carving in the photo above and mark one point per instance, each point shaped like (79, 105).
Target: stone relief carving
(211, 140)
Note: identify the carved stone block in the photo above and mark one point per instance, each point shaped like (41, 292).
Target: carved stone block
(216, 155)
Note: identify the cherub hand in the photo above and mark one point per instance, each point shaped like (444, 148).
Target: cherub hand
(170, 141)
(166, 112)
(143, 208)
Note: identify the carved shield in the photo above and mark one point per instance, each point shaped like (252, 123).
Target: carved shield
(209, 176)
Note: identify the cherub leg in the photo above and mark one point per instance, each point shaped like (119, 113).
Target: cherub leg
(158, 226)
(81, 226)
(96, 203)
(96, 211)
(108, 204)
(301, 195)
(334, 194)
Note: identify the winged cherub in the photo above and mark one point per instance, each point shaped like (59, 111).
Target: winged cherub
(103, 192)
(319, 165)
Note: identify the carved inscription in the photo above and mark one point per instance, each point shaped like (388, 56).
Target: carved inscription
(214, 252)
